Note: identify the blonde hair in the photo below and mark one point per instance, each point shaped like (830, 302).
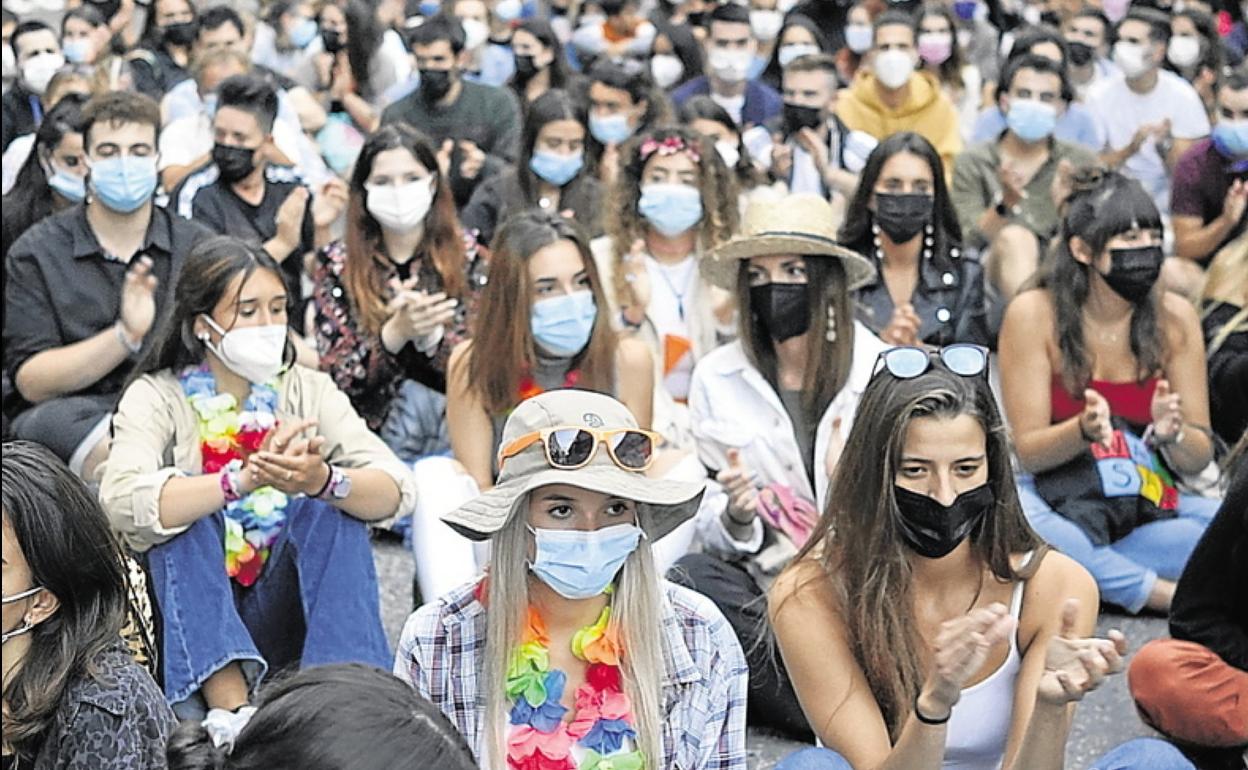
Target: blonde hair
(635, 611)
(1224, 283)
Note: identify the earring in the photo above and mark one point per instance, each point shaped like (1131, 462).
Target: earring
(203, 337)
(831, 333)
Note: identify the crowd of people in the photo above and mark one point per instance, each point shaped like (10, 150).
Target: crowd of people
(830, 367)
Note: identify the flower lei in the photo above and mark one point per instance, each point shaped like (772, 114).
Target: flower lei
(669, 146)
(529, 387)
(227, 436)
(603, 720)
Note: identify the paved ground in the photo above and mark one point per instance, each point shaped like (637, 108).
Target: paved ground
(1104, 720)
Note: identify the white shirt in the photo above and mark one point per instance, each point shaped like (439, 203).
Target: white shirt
(672, 289)
(733, 105)
(14, 158)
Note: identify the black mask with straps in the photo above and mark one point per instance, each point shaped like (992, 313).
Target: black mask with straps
(933, 530)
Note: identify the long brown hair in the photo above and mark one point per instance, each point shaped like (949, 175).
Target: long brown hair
(858, 544)
(503, 351)
(367, 264)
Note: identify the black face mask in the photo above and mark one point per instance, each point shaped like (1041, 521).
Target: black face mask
(233, 163)
(933, 530)
(181, 34)
(1133, 272)
(1080, 53)
(434, 84)
(695, 19)
(526, 68)
(108, 9)
(902, 215)
(783, 309)
(331, 40)
(797, 117)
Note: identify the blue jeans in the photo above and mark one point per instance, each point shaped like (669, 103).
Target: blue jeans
(1144, 754)
(1125, 570)
(814, 758)
(316, 602)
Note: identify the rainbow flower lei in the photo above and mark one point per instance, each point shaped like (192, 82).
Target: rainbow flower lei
(227, 436)
(603, 720)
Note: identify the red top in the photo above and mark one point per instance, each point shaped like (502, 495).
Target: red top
(1132, 401)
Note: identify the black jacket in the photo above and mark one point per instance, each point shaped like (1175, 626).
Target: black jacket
(19, 116)
(499, 195)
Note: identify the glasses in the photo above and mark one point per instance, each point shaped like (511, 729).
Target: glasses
(906, 363)
(571, 447)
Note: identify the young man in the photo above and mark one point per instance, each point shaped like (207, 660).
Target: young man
(37, 54)
(477, 125)
(1003, 188)
(730, 47)
(1149, 116)
(1087, 35)
(890, 96)
(85, 286)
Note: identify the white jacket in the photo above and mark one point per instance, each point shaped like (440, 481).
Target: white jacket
(732, 406)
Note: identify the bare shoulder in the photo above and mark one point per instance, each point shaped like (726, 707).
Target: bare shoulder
(1034, 306)
(1056, 579)
(1179, 320)
(459, 354)
(805, 585)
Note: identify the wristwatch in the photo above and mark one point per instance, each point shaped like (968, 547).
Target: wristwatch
(1003, 211)
(338, 487)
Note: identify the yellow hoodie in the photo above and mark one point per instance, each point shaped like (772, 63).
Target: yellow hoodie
(926, 111)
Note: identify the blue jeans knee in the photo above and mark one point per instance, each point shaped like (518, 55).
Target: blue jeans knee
(814, 758)
(1144, 754)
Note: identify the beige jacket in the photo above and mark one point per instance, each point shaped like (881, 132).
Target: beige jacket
(156, 437)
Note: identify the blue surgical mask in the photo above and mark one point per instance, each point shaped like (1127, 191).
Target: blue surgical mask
(210, 104)
(579, 564)
(563, 325)
(1031, 120)
(70, 186)
(77, 51)
(429, 8)
(555, 168)
(123, 183)
(1230, 138)
(610, 129)
(304, 32)
(670, 208)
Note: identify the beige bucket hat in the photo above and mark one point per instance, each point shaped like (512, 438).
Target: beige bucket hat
(801, 223)
(662, 504)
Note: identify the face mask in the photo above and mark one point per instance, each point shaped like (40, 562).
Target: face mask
(233, 163)
(108, 9)
(26, 626)
(1133, 272)
(935, 47)
(555, 168)
(400, 208)
(933, 530)
(37, 71)
(858, 37)
(1080, 53)
(78, 50)
(610, 129)
(181, 34)
(1131, 58)
(71, 187)
(124, 183)
(765, 25)
(303, 33)
(254, 353)
(729, 66)
(783, 309)
(793, 51)
(1031, 120)
(210, 104)
(563, 325)
(508, 10)
(475, 33)
(526, 68)
(578, 564)
(902, 215)
(429, 8)
(666, 69)
(799, 116)
(670, 208)
(1230, 138)
(729, 153)
(8, 62)
(1183, 51)
(893, 68)
(965, 9)
(434, 84)
(331, 41)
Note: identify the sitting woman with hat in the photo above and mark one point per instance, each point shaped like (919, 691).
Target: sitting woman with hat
(770, 412)
(571, 653)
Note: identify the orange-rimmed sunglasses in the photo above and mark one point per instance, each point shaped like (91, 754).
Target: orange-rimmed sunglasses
(571, 447)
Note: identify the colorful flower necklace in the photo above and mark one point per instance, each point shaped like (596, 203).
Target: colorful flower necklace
(603, 720)
(226, 438)
(529, 387)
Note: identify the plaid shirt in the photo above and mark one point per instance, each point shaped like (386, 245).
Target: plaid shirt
(442, 648)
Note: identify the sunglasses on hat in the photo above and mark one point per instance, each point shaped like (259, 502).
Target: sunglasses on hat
(571, 447)
(906, 363)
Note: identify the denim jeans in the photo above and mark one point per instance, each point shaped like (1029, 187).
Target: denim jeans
(814, 758)
(1144, 754)
(1126, 569)
(316, 602)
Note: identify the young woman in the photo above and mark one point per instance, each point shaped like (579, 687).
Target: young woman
(300, 722)
(778, 402)
(1195, 53)
(284, 36)
(541, 64)
(623, 102)
(925, 625)
(571, 652)
(163, 58)
(902, 216)
(54, 174)
(798, 37)
(1098, 339)
(246, 481)
(673, 202)
(705, 117)
(675, 55)
(550, 174)
(85, 35)
(73, 696)
(935, 33)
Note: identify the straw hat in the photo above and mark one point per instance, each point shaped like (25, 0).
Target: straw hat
(662, 504)
(802, 223)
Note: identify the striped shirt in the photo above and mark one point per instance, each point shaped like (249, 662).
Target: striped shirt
(442, 651)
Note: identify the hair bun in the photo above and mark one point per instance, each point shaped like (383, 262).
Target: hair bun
(191, 748)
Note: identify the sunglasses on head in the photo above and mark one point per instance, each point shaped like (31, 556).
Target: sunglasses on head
(906, 363)
(571, 447)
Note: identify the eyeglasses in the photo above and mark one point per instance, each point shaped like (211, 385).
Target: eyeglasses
(906, 363)
(572, 447)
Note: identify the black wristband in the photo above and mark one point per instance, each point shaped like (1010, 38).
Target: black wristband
(927, 720)
(329, 479)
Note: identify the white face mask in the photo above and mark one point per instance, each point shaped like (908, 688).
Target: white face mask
(1131, 58)
(765, 25)
(475, 33)
(893, 68)
(730, 66)
(666, 69)
(401, 208)
(1183, 51)
(858, 37)
(729, 153)
(792, 51)
(26, 625)
(254, 353)
(37, 71)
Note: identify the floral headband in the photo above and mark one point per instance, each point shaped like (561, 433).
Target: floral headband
(669, 146)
